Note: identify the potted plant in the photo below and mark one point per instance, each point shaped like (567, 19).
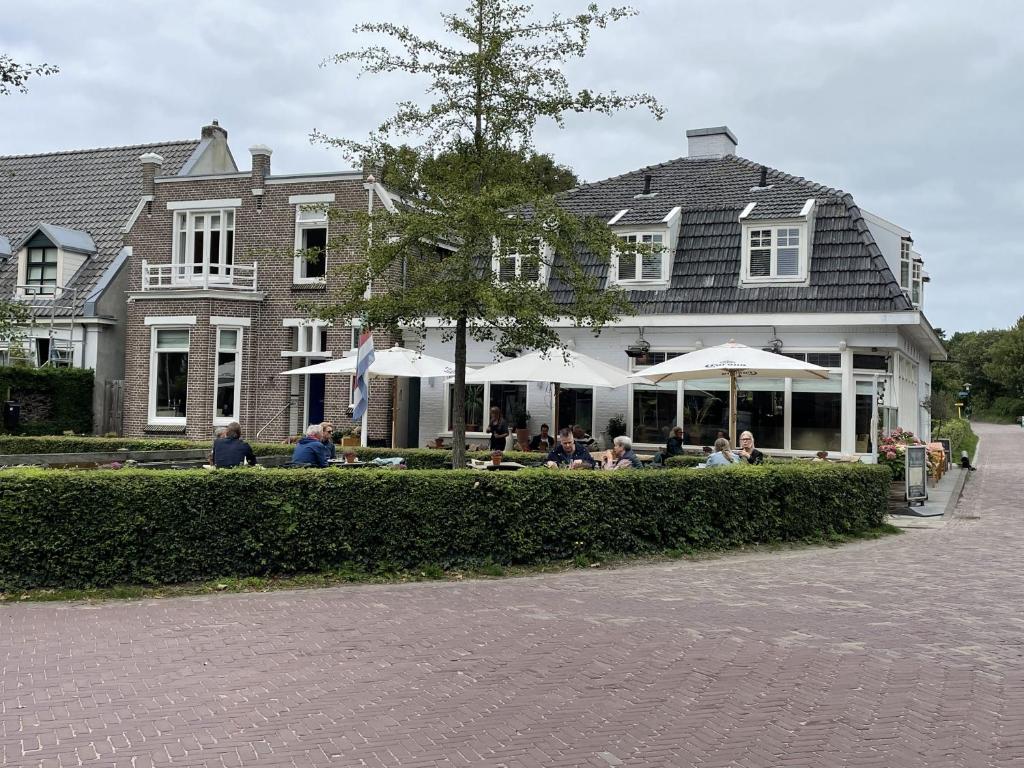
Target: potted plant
(474, 408)
(616, 426)
(350, 436)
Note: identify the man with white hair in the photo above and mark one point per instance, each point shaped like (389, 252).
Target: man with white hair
(622, 455)
(310, 450)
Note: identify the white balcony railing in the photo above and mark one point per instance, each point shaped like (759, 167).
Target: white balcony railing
(237, 277)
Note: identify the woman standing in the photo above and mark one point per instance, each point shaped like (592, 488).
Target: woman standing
(498, 428)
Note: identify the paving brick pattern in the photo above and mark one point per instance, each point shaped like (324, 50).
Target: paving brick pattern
(903, 652)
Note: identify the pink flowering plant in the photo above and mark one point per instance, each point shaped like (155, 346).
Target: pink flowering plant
(892, 449)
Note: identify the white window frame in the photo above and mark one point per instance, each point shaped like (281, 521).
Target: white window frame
(321, 221)
(183, 222)
(449, 391)
(639, 282)
(916, 282)
(803, 253)
(30, 288)
(307, 337)
(905, 265)
(218, 419)
(154, 354)
(545, 255)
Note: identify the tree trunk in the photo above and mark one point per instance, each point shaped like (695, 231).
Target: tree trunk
(459, 396)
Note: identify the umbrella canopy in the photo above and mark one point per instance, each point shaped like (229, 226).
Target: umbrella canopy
(732, 360)
(561, 367)
(396, 361)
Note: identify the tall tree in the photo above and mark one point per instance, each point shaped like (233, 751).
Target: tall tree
(467, 199)
(1006, 361)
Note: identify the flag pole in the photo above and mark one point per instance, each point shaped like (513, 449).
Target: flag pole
(366, 419)
(732, 409)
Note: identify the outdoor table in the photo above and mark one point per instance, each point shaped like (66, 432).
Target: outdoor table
(343, 463)
(509, 466)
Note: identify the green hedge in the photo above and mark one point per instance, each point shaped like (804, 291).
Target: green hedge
(67, 392)
(104, 527)
(684, 461)
(961, 437)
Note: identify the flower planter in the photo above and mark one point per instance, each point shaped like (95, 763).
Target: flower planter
(350, 441)
(897, 496)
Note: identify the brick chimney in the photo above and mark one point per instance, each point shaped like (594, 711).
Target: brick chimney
(212, 130)
(151, 163)
(710, 142)
(260, 163)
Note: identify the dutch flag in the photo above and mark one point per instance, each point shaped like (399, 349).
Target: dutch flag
(364, 359)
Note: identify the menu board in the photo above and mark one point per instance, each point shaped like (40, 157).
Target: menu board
(917, 472)
(948, 448)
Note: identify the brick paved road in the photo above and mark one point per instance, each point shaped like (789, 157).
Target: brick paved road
(904, 652)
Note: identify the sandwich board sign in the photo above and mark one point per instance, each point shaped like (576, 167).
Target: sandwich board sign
(916, 466)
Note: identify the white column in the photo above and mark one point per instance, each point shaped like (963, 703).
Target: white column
(848, 443)
(787, 417)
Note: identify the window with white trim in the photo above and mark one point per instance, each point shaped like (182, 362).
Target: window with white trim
(480, 398)
(915, 283)
(227, 375)
(646, 265)
(168, 376)
(529, 267)
(204, 243)
(775, 253)
(311, 227)
(905, 259)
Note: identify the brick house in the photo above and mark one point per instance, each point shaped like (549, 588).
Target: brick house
(62, 221)
(214, 288)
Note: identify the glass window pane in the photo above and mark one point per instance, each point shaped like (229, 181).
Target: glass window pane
(506, 269)
(576, 406)
(215, 252)
(817, 415)
(760, 262)
(314, 247)
(227, 372)
(705, 411)
(654, 412)
(529, 268)
(228, 339)
(627, 266)
(229, 219)
(651, 268)
(171, 338)
(760, 406)
(788, 262)
(171, 384)
(510, 398)
(475, 417)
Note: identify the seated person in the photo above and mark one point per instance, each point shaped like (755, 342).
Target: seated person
(545, 441)
(327, 438)
(581, 437)
(569, 453)
(747, 450)
(350, 456)
(621, 455)
(820, 456)
(231, 450)
(722, 456)
(310, 449)
(674, 446)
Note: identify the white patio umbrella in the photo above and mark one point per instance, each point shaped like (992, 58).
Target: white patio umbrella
(390, 363)
(556, 366)
(732, 360)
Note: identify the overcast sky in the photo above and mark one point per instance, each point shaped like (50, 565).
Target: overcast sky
(914, 107)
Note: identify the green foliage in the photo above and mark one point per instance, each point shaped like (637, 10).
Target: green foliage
(961, 437)
(68, 391)
(684, 461)
(616, 426)
(1006, 361)
(473, 163)
(99, 528)
(14, 75)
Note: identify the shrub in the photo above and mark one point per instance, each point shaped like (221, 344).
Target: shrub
(961, 436)
(684, 461)
(892, 451)
(53, 399)
(98, 528)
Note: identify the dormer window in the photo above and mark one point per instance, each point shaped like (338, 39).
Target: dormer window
(647, 267)
(49, 257)
(776, 251)
(531, 267)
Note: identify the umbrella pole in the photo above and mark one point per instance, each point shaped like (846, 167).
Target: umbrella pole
(732, 408)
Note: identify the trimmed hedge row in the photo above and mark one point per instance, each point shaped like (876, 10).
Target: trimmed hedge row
(66, 393)
(960, 436)
(104, 527)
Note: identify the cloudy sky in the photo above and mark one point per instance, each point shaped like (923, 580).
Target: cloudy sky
(915, 107)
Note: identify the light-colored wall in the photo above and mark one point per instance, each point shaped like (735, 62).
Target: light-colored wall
(887, 236)
(610, 348)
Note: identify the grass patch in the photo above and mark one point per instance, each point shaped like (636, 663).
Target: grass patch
(351, 574)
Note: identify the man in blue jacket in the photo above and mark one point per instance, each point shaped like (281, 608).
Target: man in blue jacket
(231, 450)
(310, 450)
(569, 453)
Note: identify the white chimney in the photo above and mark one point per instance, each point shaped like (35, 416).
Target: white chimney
(710, 142)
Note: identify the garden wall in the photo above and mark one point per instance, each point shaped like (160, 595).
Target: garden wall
(104, 527)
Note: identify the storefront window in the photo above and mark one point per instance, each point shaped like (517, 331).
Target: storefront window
(576, 406)
(654, 412)
(817, 415)
(760, 406)
(510, 398)
(863, 428)
(705, 411)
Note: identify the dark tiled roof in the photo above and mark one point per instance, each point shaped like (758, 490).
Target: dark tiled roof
(92, 190)
(848, 272)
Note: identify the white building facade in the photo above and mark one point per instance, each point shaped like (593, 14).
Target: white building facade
(747, 253)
